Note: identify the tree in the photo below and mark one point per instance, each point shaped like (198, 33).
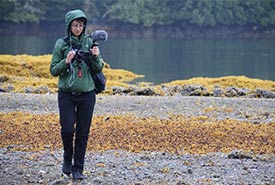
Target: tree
(145, 12)
(21, 11)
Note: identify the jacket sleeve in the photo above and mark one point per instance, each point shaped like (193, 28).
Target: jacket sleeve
(97, 64)
(58, 62)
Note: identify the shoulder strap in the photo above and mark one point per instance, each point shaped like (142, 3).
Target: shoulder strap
(66, 40)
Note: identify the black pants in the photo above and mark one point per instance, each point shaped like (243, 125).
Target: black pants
(75, 113)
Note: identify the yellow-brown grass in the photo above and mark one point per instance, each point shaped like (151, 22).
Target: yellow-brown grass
(176, 135)
(228, 81)
(23, 71)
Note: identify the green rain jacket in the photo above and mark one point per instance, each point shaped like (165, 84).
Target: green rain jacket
(69, 80)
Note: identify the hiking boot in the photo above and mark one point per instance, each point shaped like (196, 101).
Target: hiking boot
(67, 168)
(78, 176)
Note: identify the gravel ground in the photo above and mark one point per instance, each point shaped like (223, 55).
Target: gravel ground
(244, 109)
(122, 167)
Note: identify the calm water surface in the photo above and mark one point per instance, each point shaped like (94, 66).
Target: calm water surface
(164, 60)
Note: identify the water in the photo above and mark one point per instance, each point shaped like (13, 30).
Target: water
(164, 60)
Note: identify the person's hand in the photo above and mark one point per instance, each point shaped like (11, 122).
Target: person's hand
(95, 51)
(70, 56)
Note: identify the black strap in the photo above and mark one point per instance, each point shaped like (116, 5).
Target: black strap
(86, 56)
(66, 40)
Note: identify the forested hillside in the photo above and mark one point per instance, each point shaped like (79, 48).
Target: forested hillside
(146, 12)
(156, 16)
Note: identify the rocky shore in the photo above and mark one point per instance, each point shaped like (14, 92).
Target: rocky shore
(149, 167)
(194, 90)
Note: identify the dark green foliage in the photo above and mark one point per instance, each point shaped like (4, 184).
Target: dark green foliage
(21, 11)
(146, 12)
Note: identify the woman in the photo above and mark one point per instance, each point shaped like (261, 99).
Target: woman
(76, 90)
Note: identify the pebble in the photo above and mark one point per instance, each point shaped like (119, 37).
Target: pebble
(122, 167)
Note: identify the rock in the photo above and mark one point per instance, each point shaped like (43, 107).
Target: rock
(42, 172)
(133, 91)
(243, 91)
(239, 154)
(181, 183)
(236, 92)
(63, 181)
(194, 90)
(117, 90)
(231, 92)
(8, 88)
(264, 93)
(145, 92)
(170, 91)
(37, 90)
(3, 79)
(124, 91)
(218, 92)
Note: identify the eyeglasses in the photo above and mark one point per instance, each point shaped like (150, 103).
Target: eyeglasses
(76, 26)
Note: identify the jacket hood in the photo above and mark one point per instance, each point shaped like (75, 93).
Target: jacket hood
(72, 15)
